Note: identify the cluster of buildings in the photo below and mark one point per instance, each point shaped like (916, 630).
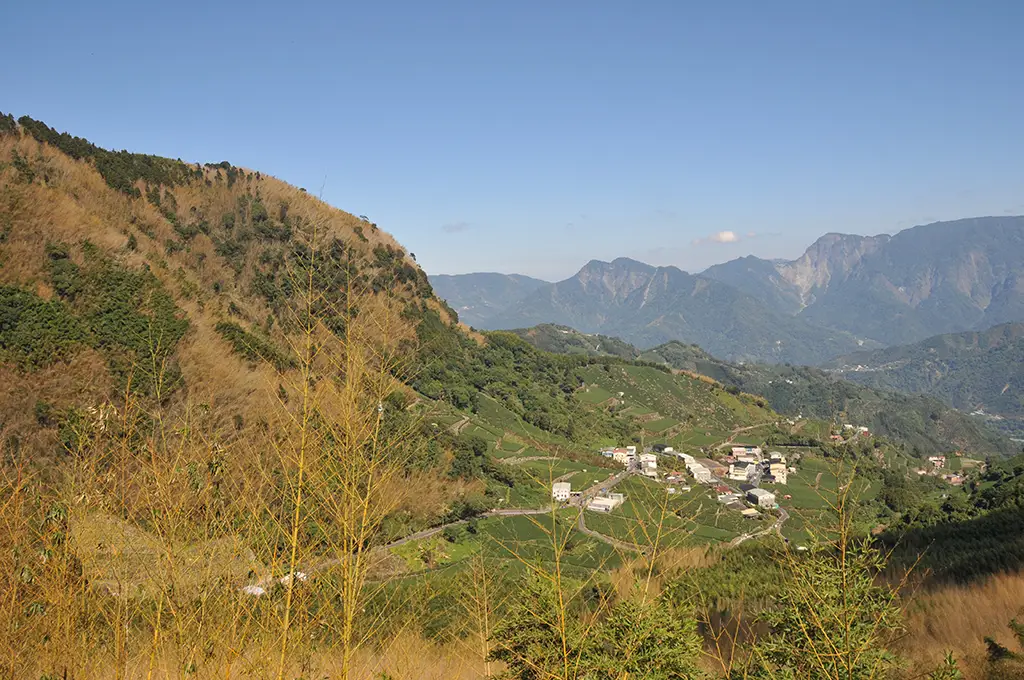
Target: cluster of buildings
(938, 468)
(623, 455)
(759, 498)
(645, 463)
(748, 464)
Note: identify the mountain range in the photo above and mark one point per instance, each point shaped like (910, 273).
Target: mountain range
(845, 291)
(648, 305)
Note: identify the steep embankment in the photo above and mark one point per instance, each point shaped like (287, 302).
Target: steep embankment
(111, 261)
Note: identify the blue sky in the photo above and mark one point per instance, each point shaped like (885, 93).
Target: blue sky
(533, 136)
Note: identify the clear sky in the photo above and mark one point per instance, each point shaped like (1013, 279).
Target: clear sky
(531, 136)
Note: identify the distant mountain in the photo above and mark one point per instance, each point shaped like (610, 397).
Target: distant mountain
(477, 297)
(648, 305)
(971, 371)
(938, 278)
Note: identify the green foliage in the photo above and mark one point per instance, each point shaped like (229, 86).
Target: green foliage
(35, 333)
(543, 636)
(644, 639)
(536, 386)
(124, 313)
(120, 169)
(7, 124)
(949, 670)
(831, 620)
(253, 347)
(565, 340)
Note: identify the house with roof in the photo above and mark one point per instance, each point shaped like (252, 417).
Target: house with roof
(741, 471)
(761, 498)
(606, 503)
(778, 472)
(560, 491)
(750, 454)
(700, 473)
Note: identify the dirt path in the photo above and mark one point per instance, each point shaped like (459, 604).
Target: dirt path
(732, 437)
(459, 426)
(526, 459)
(817, 481)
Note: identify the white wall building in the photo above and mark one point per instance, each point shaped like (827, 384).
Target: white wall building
(761, 498)
(747, 453)
(649, 460)
(741, 471)
(701, 473)
(560, 491)
(606, 503)
(779, 472)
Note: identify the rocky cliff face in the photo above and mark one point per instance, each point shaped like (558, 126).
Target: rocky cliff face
(831, 257)
(937, 278)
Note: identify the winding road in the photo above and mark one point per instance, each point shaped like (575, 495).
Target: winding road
(259, 587)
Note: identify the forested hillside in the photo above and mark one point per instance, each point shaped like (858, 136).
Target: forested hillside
(974, 371)
(923, 424)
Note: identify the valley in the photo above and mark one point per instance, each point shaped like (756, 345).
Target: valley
(243, 432)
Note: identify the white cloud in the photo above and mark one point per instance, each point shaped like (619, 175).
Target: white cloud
(455, 227)
(720, 237)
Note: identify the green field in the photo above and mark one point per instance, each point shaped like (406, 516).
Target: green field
(680, 398)
(692, 517)
(660, 425)
(594, 394)
(812, 496)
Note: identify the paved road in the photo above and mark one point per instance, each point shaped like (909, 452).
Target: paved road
(580, 501)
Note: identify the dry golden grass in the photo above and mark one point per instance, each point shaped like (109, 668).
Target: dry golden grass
(958, 618)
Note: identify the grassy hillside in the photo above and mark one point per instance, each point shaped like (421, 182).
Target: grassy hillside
(924, 424)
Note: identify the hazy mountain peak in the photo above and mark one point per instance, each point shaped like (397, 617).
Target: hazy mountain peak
(833, 255)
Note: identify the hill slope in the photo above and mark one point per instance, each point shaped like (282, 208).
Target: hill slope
(971, 371)
(923, 423)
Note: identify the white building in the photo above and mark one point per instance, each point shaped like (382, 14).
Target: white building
(687, 458)
(621, 456)
(700, 473)
(648, 461)
(778, 472)
(741, 471)
(937, 461)
(560, 491)
(750, 454)
(649, 472)
(606, 503)
(761, 498)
